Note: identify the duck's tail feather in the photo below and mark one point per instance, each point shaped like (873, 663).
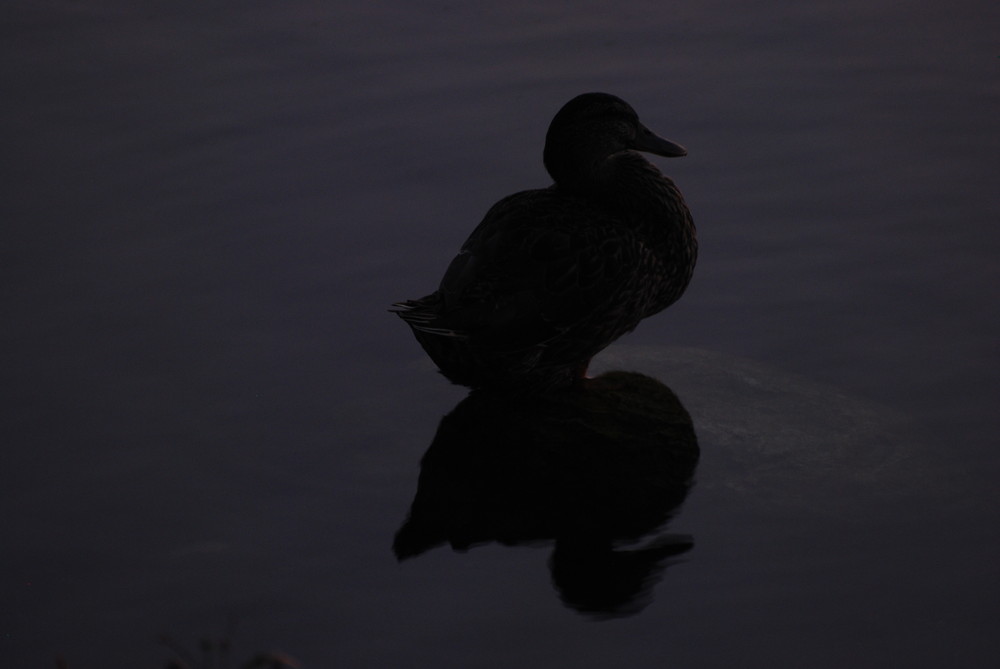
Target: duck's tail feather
(422, 315)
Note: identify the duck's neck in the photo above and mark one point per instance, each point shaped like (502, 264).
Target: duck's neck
(634, 191)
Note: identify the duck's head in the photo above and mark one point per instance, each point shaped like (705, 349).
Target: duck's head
(592, 127)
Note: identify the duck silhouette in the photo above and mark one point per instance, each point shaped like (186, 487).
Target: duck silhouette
(551, 277)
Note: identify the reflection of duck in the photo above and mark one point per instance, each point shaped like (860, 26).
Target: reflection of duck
(587, 470)
(551, 277)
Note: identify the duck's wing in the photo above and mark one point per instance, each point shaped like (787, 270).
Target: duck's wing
(539, 264)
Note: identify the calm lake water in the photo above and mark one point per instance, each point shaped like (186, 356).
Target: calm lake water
(211, 425)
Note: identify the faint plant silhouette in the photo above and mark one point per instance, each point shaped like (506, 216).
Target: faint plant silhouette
(215, 655)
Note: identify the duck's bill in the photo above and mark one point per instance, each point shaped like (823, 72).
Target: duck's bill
(650, 142)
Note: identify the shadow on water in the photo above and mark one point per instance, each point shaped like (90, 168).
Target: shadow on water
(592, 471)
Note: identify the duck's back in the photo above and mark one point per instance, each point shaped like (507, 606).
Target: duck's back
(547, 280)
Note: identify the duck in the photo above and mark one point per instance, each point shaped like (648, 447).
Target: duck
(553, 276)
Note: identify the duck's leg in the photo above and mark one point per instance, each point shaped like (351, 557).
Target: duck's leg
(578, 374)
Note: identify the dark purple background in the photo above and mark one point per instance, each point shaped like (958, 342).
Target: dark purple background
(207, 412)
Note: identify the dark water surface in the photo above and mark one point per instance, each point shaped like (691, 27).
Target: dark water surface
(208, 416)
